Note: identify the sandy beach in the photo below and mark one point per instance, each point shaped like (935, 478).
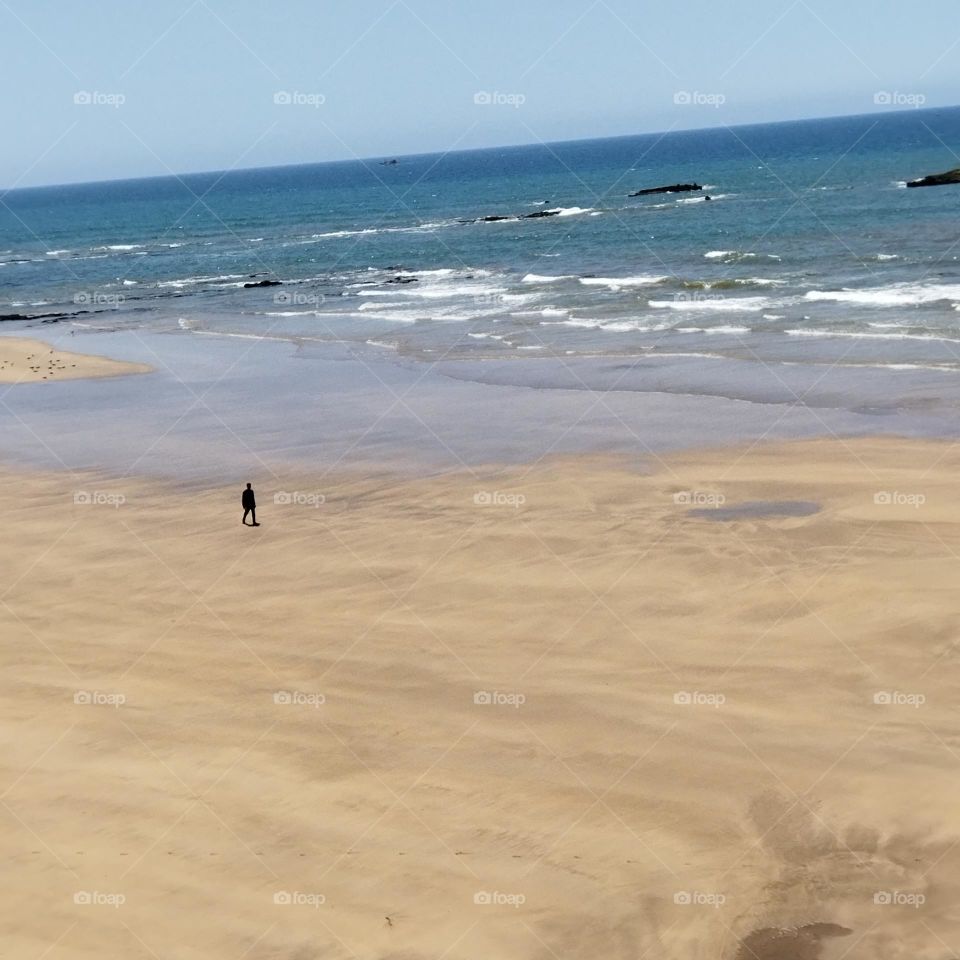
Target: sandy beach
(24, 360)
(701, 706)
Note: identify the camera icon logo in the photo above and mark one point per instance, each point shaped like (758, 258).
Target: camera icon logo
(682, 98)
(82, 898)
(282, 98)
(883, 498)
(482, 498)
(482, 698)
(681, 898)
(282, 899)
(82, 98)
(482, 98)
(882, 98)
(283, 498)
(682, 698)
(282, 298)
(82, 697)
(81, 497)
(883, 898)
(283, 697)
(482, 898)
(883, 698)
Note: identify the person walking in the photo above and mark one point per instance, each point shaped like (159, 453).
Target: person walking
(249, 502)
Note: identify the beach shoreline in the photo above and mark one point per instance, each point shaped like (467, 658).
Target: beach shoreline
(569, 706)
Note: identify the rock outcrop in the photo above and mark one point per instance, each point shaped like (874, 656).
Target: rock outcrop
(673, 188)
(937, 179)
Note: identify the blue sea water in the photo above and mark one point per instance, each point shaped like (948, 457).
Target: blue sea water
(810, 253)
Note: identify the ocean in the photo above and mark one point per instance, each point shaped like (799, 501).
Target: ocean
(810, 257)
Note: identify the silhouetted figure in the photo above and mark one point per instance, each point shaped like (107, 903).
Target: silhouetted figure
(249, 502)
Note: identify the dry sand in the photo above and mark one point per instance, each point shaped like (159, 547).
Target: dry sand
(684, 756)
(28, 361)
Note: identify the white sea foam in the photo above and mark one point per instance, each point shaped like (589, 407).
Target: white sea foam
(731, 304)
(610, 326)
(868, 336)
(538, 278)
(56, 253)
(190, 281)
(616, 283)
(730, 331)
(570, 211)
(119, 247)
(733, 256)
(894, 295)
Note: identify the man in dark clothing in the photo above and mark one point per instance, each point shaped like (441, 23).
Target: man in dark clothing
(249, 502)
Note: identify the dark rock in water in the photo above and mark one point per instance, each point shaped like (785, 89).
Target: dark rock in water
(389, 163)
(262, 283)
(937, 179)
(674, 188)
(540, 213)
(404, 280)
(491, 219)
(44, 317)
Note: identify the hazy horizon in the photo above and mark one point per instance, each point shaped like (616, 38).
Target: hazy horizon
(497, 146)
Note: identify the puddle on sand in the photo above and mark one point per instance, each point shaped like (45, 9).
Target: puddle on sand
(795, 943)
(759, 510)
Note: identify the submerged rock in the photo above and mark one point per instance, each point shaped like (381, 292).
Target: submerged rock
(673, 188)
(540, 213)
(403, 280)
(937, 179)
(262, 283)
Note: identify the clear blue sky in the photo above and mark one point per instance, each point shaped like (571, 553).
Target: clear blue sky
(198, 79)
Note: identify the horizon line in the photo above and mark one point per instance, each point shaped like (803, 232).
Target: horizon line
(432, 153)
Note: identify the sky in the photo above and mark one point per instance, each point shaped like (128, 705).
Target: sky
(111, 89)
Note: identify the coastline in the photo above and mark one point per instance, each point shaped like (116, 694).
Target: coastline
(541, 707)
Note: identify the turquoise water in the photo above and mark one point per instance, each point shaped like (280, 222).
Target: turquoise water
(809, 252)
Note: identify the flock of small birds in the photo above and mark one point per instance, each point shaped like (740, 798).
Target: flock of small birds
(35, 363)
